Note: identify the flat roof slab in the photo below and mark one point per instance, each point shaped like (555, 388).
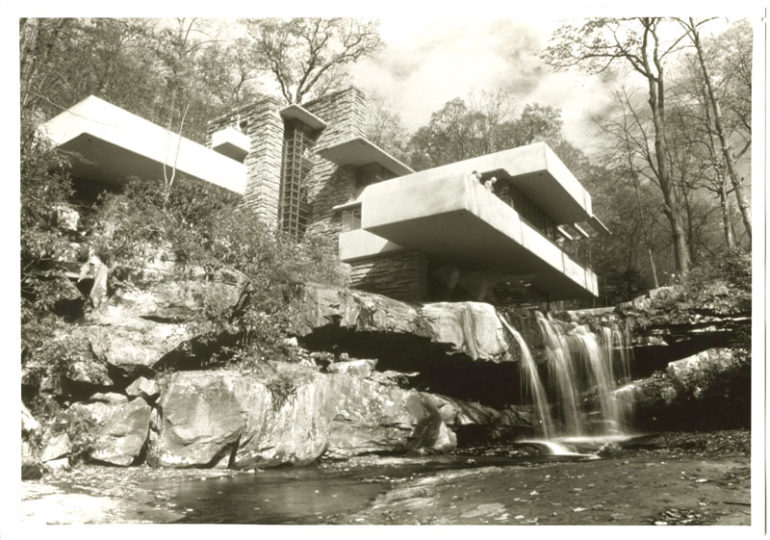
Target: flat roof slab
(113, 144)
(297, 112)
(535, 170)
(359, 152)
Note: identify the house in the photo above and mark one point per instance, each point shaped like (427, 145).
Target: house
(468, 230)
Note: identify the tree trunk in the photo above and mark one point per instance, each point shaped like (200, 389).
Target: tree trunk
(724, 205)
(672, 206)
(727, 152)
(642, 218)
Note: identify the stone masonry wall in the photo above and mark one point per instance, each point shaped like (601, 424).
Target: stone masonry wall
(403, 275)
(263, 124)
(330, 184)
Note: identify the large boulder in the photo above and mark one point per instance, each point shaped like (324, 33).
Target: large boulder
(123, 434)
(471, 328)
(291, 429)
(215, 417)
(135, 349)
(202, 414)
(697, 373)
(373, 418)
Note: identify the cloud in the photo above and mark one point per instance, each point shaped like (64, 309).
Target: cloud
(429, 61)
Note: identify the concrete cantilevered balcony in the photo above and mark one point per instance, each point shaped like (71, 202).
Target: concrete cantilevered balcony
(448, 214)
(111, 144)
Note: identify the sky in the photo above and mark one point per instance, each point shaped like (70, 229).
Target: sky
(427, 61)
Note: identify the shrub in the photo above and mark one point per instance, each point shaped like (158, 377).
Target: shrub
(44, 182)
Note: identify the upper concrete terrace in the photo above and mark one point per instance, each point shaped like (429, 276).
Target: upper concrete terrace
(113, 144)
(447, 213)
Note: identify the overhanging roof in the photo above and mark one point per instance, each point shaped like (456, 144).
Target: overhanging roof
(112, 144)
(297, 112)
(533, 169)
(359, 151)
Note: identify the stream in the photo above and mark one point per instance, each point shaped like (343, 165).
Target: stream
(675, 479)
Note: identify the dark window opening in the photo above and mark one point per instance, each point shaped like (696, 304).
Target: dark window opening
(351, 218)
(527, 210)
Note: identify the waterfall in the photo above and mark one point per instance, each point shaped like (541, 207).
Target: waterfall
(533, 384)
(561, 372)
(580, 395)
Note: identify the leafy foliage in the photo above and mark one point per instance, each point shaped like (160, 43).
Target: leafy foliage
(458, 131)
(44, 184)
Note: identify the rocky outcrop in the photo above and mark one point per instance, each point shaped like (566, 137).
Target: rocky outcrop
(132, 330)
(708, 390)
(673, 322)
(360, 322)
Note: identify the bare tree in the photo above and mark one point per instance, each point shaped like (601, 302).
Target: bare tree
(305, 54)
(596, 45)
(692, 31)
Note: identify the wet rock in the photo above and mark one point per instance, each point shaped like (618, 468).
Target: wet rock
(111, 398)
(57, 446)
(123, 435)
(472, 328)
(433, 435)
(145, 388)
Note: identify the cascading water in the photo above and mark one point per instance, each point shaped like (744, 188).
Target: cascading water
(531, 382)
(579, 396)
